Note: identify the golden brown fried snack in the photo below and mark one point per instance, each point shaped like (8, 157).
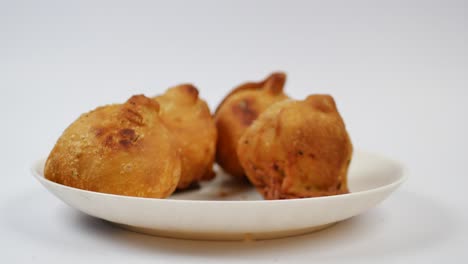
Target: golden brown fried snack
(297, 149)
(190, 122)
(121, 149)
(237, 111)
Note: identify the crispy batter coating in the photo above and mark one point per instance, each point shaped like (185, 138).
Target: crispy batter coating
(191, 124)
(120, 149)
(297, 149)
(237, 112)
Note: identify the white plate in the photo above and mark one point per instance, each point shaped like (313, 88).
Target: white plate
(228, 210)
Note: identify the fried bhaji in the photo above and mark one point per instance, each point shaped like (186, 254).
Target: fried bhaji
(120, 149)
(297, 149)
(191, 124)
(237, 112)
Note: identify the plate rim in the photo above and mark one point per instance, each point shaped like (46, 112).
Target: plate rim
(402, 173)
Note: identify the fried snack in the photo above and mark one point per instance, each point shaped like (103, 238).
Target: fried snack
(297, 149)
(190, 122)
(120, 149)
(237, 111)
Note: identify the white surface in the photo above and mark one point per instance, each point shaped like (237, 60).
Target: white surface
(223, 210)
(398, 71)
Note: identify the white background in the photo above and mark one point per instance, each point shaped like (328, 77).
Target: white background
(397, 69)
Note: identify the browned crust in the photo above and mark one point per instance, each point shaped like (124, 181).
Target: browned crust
(274, 83)
(245, 112)
(120, 149)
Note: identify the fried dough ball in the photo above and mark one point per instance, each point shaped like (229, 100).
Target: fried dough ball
(237, 111)
(297, 149)
(122, 149)
(191, 124)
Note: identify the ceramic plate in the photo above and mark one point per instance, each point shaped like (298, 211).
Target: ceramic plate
(228, 210)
